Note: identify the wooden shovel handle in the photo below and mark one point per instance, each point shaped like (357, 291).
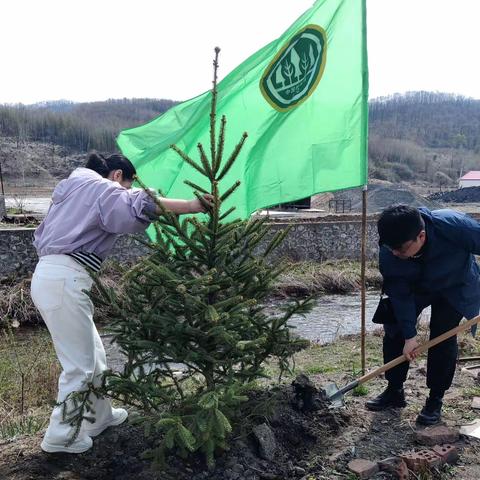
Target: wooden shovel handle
(422, 348)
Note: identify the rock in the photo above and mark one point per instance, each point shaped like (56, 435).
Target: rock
(267, 444)
(476, 402)
(396, 466)
(238, 468)
(299, 470)
(437, 435)
(448, 453)
(363, 468)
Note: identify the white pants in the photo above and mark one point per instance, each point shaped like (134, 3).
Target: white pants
(67, 311)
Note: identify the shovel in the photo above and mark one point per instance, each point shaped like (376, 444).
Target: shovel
(335, 395)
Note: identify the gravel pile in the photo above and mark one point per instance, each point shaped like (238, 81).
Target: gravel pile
(462, 195)
(380, 197)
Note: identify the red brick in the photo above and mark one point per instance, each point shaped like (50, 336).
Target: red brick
(431, 458)
(395, 466)
(448, 453)
(363, 468)
(437, 435)
(421, 461)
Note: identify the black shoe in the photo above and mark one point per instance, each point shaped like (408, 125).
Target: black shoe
(392, 397)
(431, 412)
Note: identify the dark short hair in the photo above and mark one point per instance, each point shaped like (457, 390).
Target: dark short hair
(399, 224)
(104, 165)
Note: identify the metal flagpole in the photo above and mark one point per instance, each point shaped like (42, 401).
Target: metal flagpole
(362, 273)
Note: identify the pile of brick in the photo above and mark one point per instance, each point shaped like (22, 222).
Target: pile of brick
(439, 438)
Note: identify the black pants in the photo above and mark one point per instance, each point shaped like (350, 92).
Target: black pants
(442, 358)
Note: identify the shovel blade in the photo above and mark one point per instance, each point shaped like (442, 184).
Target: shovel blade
(334, 395)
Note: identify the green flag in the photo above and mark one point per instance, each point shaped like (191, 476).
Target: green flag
(303, 101)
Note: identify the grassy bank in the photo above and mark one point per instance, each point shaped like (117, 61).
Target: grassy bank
(332, 276)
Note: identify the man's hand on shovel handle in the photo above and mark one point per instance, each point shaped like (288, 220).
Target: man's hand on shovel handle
(409, 349)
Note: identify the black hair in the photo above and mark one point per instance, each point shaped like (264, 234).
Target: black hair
(399, 224)
(104, 165)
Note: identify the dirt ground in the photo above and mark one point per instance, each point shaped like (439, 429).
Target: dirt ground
(310, 445)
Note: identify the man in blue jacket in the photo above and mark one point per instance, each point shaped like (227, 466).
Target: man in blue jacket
(426, 258)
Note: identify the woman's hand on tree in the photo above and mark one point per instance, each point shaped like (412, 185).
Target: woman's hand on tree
(196, 206)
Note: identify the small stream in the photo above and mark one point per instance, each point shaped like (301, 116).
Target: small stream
(29, 204)
(335, 315)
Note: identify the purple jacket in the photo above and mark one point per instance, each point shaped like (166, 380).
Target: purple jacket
(87, 214)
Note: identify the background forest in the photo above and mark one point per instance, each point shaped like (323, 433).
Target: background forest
(418, 137)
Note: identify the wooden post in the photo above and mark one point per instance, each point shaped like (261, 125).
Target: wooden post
(1, 179)
(362, 274)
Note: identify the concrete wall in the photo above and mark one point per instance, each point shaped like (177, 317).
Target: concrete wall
(318, 240)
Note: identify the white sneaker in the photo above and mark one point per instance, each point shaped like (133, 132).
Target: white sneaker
(80, 445)
(119, 415)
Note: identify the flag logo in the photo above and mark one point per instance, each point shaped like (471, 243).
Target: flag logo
(294, 73)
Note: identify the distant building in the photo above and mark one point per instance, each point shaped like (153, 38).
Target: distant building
(470, 179)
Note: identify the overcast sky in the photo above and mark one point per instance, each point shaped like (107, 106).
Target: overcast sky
(97, 49)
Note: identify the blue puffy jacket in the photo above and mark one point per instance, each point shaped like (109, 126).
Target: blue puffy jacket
(447, 266)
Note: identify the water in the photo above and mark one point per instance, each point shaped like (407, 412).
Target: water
(29, 204)
(335, 315)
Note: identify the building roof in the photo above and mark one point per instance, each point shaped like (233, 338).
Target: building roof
(471, 175)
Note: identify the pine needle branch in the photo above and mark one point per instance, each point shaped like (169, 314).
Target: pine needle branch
(213, 111)
(217, 161)
(191, 162)
(233, 157)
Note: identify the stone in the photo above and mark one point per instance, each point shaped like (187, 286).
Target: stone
(396, 466)
(299, 470)
(267, 444)
(472, 429)
(448, 453)
(476, 402)
(437, 435)
(363, 468)
(238, 468)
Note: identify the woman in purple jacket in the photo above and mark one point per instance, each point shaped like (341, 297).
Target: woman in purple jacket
(88, 211)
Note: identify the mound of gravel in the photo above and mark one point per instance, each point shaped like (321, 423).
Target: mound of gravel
(380, 197)
(462, 195)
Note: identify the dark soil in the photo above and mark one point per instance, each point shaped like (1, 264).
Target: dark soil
(117, 454)
(311, 445)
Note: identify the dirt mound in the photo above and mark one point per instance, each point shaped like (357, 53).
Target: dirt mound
(462, 195)
(382, 196)
(299, 436)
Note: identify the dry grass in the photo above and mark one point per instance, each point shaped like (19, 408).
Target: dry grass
(17, 308)
(332, 276)
(28, 381)
(16, 305)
